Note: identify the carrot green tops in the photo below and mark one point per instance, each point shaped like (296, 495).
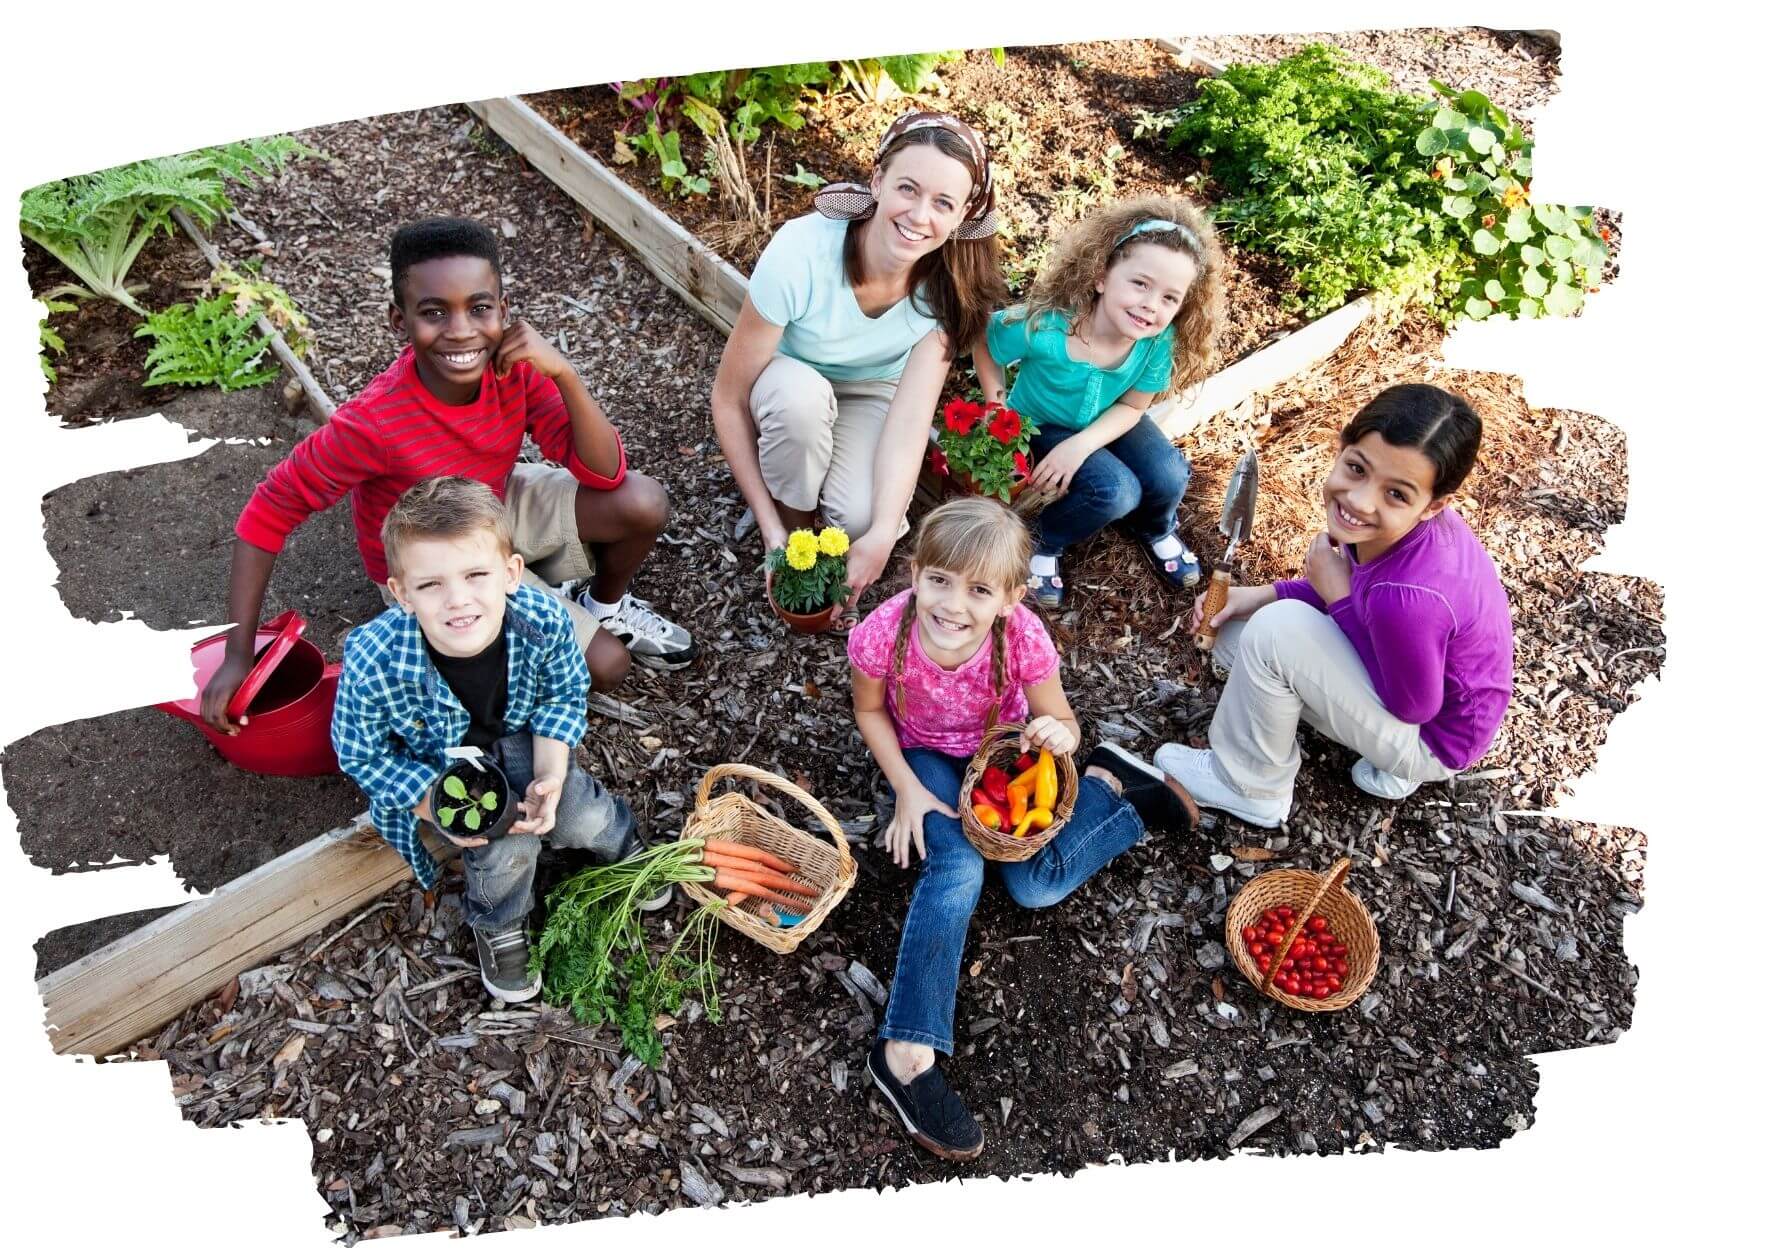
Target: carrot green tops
(1054, 388)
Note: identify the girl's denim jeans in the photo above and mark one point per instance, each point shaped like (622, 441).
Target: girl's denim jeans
(501, 873)
(1137, 479)
(924, 993)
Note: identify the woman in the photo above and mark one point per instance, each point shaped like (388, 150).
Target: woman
(829, 382)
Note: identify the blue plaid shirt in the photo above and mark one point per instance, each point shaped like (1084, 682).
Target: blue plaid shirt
(395, 717)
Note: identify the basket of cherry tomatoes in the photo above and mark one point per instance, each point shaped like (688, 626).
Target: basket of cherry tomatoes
(1303, 938)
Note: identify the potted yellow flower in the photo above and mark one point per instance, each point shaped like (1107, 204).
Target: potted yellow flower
(809, 578)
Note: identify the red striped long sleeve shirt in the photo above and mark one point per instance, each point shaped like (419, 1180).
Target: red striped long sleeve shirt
(396, 433)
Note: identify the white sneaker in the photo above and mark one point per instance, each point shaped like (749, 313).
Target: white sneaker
(650, 638)
(1389, 787)
(1197, 771)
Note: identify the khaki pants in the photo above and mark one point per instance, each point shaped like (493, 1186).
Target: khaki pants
(544, 530)
(1287, 663)
(818, 441)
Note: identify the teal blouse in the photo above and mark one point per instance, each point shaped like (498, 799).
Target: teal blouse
(1053, 388)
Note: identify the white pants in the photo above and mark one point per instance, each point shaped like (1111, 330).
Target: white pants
(818, 441)
(1289, 662)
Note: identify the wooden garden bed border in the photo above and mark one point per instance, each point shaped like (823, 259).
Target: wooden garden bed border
(100, 1004)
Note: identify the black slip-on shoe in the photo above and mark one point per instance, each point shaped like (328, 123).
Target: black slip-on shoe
(932, 1112)
(1164, 804)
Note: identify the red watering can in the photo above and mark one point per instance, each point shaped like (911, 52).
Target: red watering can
(288, 696)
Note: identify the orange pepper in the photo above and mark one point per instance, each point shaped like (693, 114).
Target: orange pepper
(1037, 819)
(1017, 801)
(988, 815)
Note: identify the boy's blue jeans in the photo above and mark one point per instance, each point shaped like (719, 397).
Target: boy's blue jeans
(1137, 479)
(924, 992)
(501, 873)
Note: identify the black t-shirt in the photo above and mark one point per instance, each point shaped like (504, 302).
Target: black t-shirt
(481, 683)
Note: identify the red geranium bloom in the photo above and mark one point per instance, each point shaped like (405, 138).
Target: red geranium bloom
(1020, 462)
(1004, 427)
(936, 460)
(961, 416)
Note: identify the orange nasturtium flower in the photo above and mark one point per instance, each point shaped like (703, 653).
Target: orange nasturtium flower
(1488, 220)
(1513, 196)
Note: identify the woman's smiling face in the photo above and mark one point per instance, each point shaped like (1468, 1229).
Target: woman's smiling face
(1376, 492)
(921, 196)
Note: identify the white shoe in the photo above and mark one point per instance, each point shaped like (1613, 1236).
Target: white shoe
(1389, 787)
(1197, 771)
(650, 638)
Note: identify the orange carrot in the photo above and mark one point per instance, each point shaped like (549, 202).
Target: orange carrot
(730, 849)
(734, 881)
(722, 860)
(757, 873)
(735, 898)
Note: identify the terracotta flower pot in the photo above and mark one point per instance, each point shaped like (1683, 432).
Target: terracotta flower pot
(805, 623)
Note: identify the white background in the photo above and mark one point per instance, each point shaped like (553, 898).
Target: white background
(1677, 121)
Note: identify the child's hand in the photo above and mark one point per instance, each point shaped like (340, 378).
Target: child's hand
(1052, 734)
(1329, 568)
(522, 344)
(1241, 601)
(1053, 474)
(540, 802)
(912, 807)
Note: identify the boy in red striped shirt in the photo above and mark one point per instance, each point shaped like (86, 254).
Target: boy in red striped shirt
(459, 400)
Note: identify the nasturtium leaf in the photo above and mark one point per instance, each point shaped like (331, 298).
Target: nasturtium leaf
(1496, 292)
(1456, 184)
(1485, 242)
(1447, 119)
(1585, 252)
(1481, 140)
(1582, 212)
(1558, 247)
(1477, 183)
(474, 818)
(1521, 166)
(1532, 255)
(1518, 224)
(457, 791)
(1477, 308)
(1550, 216)
(1563, 299)
(1535, 283)
(1458, 207)
(1473, 102)
(1432, 141)
(1528, 308)
(1499, 152)
(489, 801)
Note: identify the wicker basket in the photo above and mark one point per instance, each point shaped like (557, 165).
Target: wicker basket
(1347, 919)
(1001, 747)
(732, 816)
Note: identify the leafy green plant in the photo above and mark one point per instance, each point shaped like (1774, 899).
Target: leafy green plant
(803, 178)
(809, 570)
(49, 342)
(97, 224)
(471, 811)
(593, 956)
(758, 95)
(664, 148)
(251, 295)
(883, 78)
(206, 343)
(1528, 260)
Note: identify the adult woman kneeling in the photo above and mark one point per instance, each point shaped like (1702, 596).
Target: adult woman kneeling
(828, 384)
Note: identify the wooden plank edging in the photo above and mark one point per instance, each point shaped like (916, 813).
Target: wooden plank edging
(100, 1004)
(692, 269)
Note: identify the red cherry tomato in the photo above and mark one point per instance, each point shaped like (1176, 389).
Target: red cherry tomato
(1318, 922)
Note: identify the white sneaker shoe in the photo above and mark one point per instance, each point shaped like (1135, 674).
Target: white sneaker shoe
(1389, 787)
(650, 638)
(1196, 770)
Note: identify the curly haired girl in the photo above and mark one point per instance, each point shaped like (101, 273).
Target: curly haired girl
(1130, 306)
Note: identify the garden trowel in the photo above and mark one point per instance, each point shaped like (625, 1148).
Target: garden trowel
(1236, 514)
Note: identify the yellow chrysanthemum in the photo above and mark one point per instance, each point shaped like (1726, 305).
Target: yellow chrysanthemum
(833, 541)
(799, 552)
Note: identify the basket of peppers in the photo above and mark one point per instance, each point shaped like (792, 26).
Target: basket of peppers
(1013, 803)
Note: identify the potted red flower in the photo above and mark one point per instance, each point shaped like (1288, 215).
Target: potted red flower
(981, 448)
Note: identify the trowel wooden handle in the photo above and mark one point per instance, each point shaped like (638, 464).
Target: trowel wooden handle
(1218, 587)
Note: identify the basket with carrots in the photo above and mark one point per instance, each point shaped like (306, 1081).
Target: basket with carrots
(1012, 803)
(756, 872)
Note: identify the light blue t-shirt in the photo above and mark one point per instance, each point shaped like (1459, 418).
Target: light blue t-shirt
(1053, 388)
(800, 282)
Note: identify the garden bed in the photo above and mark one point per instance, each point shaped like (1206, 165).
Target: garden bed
(1164, 1049)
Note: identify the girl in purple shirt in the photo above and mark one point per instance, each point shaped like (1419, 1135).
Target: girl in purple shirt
(1397, 641)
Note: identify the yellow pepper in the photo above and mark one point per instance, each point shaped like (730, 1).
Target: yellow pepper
(987, 815)
(1037, 819)
(1045, 787)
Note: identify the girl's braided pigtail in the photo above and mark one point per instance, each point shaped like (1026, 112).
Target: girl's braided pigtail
(899, 656)
(998, 669)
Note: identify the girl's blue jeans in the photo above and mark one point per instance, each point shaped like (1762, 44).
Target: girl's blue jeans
(924, 993)
(1136, 480)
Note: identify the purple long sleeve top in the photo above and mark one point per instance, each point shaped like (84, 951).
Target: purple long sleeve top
(1429, 619)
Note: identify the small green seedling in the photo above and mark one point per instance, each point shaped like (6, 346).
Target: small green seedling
(469, 809)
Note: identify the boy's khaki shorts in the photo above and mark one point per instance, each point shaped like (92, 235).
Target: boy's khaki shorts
(538, 510)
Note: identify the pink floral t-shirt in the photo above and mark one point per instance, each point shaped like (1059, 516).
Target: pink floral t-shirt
(946, 707)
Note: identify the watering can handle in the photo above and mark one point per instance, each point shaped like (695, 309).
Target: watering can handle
(286, 628)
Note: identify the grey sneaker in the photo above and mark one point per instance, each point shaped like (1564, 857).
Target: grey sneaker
(1389, 787)
(650, 638)
(1194, 768)
(504, 962)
